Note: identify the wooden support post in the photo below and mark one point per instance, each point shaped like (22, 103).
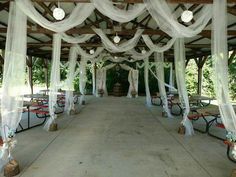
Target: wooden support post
(45, 61)
(200, 63)
(199, 88)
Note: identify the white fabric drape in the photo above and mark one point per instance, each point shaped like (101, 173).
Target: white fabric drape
(69, 100)
(89, 56)
(82, 78)
(220, 59)
(139, 56)
(101, 77)
(77, 39)
(54, 80)
(82, 10)
(171, 79)
(133, 80)
(107, 8)
(159, 60)
(146, 70)
(94, 77)
(157, 48)
(125, 46)
(179, 53)
(161, 13)
(13, 83)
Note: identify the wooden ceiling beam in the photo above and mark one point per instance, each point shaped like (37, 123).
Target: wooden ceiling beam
(47, 44)
(140, 1)
(205, 33)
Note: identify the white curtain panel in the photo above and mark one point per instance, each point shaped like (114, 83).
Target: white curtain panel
(101, 77)
(107, 8)
(13, 83)
(125, 46)
(76, 39)
(146, 76)
(159, 60)
(55, 83)
(179, 53)
(77, 16)
(69, 99)
(220, 59)
(132, 78)
(82, 78)
(157, 48)
(161, 13)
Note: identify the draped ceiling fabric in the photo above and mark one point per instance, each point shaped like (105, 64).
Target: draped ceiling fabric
(220, 62)
(69, 101)
(133, 80)
(55, 82)
(101, 76)
(159, 60)
(160, 11)
(13, 83)
(179, 53)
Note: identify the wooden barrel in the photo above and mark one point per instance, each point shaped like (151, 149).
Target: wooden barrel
(117, 90)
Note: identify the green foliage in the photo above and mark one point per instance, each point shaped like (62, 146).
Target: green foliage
(232, 79)
(191, 77)
(207, 79)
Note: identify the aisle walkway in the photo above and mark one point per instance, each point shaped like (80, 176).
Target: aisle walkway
(119, 137)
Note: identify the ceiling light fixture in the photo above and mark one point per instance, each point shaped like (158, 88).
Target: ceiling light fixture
(187, 16)
(116, 39)
(91, 51)
(58, 13)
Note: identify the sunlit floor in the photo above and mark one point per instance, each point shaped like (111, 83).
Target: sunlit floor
(119, 137)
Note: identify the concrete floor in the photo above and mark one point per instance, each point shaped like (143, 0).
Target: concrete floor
(119, 137)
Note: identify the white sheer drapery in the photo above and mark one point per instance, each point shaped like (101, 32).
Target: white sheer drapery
(101, 77)
(82, 78)
(220, 59)
(146, 80)
(179, 53)
(13, 83)
(171, 78)
(133, 80)
(125, 46)
(76, 39)
(157, 48)
(89, 56)
(54, 80)
(139, 56)
(107, 8)
(159, 60)
(82, 10)
(161, 13)
(69, 100)
(93, 77)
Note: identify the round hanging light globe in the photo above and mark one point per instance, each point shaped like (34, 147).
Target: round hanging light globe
(91, 51)
(116, 39)
(58, 13)
(143, 51)
(187, 16)
(115, 57)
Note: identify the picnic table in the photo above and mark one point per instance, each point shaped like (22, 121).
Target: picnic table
(195, 102)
